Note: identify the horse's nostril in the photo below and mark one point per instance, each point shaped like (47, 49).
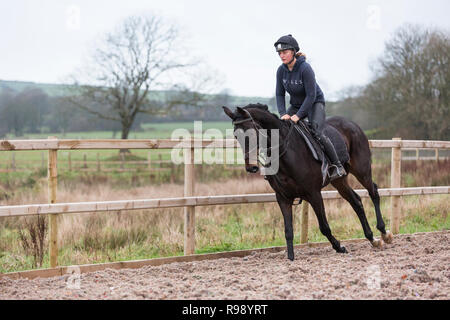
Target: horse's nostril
(252, 169)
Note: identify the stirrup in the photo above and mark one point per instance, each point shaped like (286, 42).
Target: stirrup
(338, 172)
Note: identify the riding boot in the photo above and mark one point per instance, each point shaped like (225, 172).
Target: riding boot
(332, 155)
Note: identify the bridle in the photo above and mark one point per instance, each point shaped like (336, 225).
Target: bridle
(265, 150)
(285, 143)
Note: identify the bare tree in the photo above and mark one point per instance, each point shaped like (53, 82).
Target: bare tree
(410, 94)
(129, 65)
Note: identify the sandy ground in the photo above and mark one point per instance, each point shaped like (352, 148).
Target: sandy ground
(413, 267)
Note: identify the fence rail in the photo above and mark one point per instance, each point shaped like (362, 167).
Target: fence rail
(190, 201)
(101, 165)
(101, 206)
(69, 144)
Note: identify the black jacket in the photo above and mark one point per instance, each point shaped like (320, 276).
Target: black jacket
(301, 85)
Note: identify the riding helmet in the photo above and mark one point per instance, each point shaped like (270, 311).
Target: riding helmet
(287, 42)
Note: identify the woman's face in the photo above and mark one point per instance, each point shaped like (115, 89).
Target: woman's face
(286, 55)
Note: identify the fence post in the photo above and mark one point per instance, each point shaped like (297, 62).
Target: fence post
(201, 171)
(122, 160)
(85, 160)
(98, 162)
(224, 158)
(149, 160)
(52, 176)
(417, 153)
(396, 169)
(189, 212)
(13, 161)
(304, 214)
(70, 161)
(172, 172)
(436, 153)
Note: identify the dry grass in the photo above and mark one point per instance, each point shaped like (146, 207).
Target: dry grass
(127, 235)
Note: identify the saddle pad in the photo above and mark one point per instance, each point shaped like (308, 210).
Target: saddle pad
(336, 139)
(338, 142)
(332, 133)
(312, 144)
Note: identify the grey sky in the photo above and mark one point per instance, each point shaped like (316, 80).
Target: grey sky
(42, 42)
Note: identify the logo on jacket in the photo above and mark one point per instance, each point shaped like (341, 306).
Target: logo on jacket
(293, 82)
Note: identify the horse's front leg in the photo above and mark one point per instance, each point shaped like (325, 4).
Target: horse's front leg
(316, 201)
(286, 209)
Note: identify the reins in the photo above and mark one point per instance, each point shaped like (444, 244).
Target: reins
(255, 126)
(285, 141)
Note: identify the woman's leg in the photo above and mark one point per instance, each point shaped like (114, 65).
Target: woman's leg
(317, 120)
(316, 117)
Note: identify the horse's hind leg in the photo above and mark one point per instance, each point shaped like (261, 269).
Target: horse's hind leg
(372, 188)
(355, 201)
(361, 168)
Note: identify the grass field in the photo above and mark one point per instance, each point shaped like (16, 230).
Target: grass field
(143, 234)
(215, 129)
(150, 131)
(104, 237)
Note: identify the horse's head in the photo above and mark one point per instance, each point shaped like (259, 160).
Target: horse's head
(247, 130)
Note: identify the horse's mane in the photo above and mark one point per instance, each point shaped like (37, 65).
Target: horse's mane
(265, 108)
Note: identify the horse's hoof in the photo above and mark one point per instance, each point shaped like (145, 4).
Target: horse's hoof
(378, 243)
(291, 257)
(342, 250)
(388, 237)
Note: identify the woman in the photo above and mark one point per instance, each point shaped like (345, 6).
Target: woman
(296, 77)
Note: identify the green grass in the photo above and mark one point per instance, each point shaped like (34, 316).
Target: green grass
(432, 218)
(238, 227)
(150, 131)
(240, 230)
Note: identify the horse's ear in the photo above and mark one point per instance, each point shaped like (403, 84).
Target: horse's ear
(241, 111)
(228, 112)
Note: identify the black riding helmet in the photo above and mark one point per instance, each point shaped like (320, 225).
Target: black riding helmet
(286, 43)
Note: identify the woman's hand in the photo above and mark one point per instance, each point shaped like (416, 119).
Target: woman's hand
(295, 118)
(285, 117)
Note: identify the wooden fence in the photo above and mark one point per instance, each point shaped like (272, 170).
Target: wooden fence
(190, 201)
(101, 165)
(98, 164)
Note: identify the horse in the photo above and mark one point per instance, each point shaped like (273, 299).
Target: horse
(299, 174)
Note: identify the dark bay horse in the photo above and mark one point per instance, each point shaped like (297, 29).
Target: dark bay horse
(299, 174)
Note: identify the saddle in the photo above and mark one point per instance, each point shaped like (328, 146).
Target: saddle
(303, 129)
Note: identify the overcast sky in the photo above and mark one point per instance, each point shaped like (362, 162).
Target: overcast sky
(43, 41)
